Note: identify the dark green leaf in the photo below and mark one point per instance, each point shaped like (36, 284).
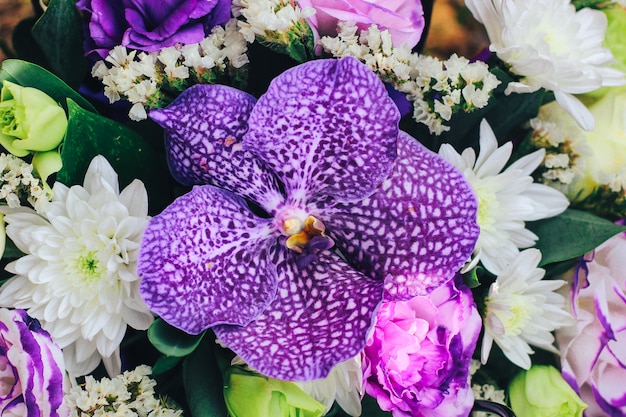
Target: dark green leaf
(31, 75)
(89, 134)
(164, 364)
(25, 46)
(571, 234)
(11, 251)
(171, 341)
(203, 382)
(371, 408)
(471, 278)
(508, 112)
(59, 33)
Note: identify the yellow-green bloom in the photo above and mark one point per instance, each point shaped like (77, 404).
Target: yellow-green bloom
(542, 392)
(248, 393)
(614, 37)
(30, 120)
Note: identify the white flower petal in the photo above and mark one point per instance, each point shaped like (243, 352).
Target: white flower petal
(78, 276)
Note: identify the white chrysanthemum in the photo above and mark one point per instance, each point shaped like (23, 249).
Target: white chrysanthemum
(343, 384)
(506, 199)
(522, 309)
(78, 276)
(551, 45)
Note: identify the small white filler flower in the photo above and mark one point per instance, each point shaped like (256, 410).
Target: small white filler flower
(506, 199)
(550, 45)
(78, 276)
(522, 309)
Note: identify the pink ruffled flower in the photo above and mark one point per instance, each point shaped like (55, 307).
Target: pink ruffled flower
(417, 359)
(593, 351)
(32, 374)
(403, 18)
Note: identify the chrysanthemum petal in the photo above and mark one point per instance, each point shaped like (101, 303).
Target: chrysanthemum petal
(320, 317)
(327, 127)
(205, 261)
(203, 131)
(417, 230)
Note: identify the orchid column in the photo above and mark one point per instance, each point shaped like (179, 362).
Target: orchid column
(318, 208)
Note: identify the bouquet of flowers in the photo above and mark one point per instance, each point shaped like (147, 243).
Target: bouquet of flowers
(297, 208)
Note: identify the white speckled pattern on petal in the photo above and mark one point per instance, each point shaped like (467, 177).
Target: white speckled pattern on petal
(327, 127)
(320, 317)
(416, 231)
(205, 261)
(203, 131)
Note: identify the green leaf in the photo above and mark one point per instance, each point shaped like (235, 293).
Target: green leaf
(89, 134)
(471, 278)
(571, 234)
(59, 33)
(164, 364)
(371, 408)
(203, 382)
(27, 74)
(171, 341)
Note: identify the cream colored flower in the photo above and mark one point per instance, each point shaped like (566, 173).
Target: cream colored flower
(506, 198)
(522, 309)
(550, 45)
(78, 277)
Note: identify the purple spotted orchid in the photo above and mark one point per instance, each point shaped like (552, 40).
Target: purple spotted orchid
(318, 208)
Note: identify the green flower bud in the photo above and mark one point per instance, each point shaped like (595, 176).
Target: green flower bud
(542, 392)
(614, 37)
(251, 394)
(30, 120)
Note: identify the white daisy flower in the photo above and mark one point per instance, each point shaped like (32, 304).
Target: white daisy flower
(78, 277)
(551, 45)
(506, 199)
(522, 309)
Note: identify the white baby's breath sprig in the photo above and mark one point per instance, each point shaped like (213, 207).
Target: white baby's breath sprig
(566, 148)
(19, 185)
(152, 80)
(437, 89)
(130, 394)
(273, 21)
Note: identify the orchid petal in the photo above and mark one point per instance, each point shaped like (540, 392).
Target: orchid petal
(203, 131)
(417, 230)
(320, 317)
(205, 260)
(327, 127)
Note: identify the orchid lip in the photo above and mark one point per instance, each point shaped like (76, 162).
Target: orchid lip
(305, 233)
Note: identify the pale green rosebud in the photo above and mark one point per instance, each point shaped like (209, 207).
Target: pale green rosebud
(30, 120)
(251, 394)
(542, 392)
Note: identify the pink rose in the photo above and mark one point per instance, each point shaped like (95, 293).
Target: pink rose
(403, 18)
(593, 351)
(417, 360)
(32, 375)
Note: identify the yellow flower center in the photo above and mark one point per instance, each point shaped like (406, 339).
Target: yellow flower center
(300, 233)
(487, 206)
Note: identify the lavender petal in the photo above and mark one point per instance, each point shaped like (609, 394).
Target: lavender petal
(203, 131)
(320, 317)
(416, 231)
(205, 261)
(326, 127)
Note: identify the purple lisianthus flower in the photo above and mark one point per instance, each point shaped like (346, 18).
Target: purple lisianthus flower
(318, 206)
(32, 373)
(416, 362)
(593, 349)
(147, 25)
